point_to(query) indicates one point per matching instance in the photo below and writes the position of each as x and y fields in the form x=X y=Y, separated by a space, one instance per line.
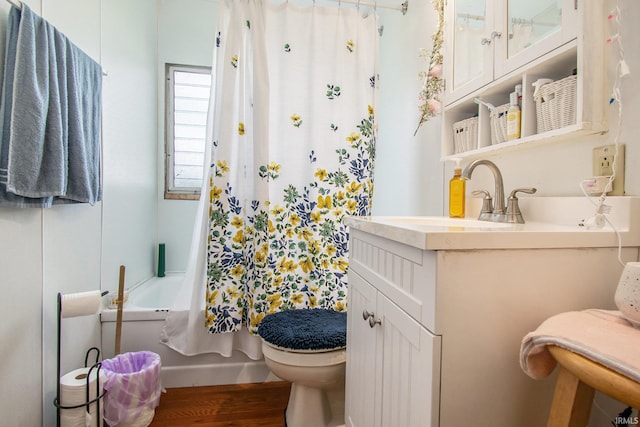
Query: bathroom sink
x=438 y=221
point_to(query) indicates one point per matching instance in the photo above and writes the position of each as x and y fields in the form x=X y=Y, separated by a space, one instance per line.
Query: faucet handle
x=487 y=204
x=522 y=190
x=513 y=209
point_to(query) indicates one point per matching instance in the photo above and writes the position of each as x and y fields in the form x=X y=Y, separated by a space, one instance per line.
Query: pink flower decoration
x=433 y=106
x=435 y=71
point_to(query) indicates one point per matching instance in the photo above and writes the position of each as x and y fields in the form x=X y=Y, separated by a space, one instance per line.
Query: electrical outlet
x=604 y=161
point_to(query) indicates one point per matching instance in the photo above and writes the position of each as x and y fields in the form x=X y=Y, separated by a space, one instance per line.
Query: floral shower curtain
x=293 y=145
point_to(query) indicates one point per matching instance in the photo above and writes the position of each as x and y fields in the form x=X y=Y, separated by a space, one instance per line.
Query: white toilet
x=307 y=348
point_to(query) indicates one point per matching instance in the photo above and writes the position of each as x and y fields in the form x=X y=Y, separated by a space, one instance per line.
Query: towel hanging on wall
x=50 y=112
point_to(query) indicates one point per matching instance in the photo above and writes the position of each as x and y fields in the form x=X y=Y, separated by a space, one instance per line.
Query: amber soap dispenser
x=457 y=189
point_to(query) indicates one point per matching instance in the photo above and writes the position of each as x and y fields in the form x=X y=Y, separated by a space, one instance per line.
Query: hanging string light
x=621 y=70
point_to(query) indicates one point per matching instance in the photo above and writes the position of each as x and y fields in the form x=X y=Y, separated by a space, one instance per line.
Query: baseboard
x=216 y=374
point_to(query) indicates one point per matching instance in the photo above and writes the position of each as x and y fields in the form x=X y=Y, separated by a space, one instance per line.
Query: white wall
x=185 y=36
x=74 y=248
x=46 y=251
x=129 y=55
x=21 y=328
x=408 y=172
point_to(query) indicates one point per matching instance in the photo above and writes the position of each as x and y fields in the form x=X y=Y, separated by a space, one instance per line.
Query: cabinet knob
x=494 y=35
x=373 y=322
x=367 y=315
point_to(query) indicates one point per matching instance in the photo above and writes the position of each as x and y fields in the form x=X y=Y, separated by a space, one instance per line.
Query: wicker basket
x=465 y=135
x=556 y=104
x=498 y=119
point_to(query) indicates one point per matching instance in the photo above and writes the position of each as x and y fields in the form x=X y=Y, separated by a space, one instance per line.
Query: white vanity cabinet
x=493 y=45
x=393 y=370
x=436 y=316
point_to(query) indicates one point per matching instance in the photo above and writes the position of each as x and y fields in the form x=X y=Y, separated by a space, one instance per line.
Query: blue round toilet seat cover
x=314 y=329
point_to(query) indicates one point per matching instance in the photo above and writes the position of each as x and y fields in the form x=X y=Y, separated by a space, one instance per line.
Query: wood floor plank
x=239 y=405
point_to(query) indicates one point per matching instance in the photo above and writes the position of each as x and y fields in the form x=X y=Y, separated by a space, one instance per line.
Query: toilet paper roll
x=81 y=303
x=73 y=391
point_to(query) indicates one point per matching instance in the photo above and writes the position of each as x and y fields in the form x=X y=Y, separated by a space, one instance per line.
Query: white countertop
x=438 y=233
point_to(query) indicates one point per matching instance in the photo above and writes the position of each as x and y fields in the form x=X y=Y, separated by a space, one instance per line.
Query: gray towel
x=50 y=117
x=7 y=198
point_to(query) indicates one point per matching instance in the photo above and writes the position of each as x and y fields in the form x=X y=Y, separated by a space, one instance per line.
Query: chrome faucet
x=498 y=214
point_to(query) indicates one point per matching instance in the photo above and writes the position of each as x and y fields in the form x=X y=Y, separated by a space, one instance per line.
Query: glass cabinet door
x=470 y=30
x=469 y=27
x=533 y=29
x=528 y=22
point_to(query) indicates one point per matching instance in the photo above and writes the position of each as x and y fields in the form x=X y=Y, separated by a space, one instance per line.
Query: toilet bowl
x=312 y=356
x=317 y=385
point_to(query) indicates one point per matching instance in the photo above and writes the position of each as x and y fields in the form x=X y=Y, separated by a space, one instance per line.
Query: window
x=187 y=101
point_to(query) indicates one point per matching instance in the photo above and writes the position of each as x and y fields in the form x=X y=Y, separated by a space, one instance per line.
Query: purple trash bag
x=132 y=388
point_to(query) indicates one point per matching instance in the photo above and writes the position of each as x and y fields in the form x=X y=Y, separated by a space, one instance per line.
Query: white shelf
x=556 y=135
x=584 y=53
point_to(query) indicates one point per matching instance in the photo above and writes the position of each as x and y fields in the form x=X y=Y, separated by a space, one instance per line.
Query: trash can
x=132 y=388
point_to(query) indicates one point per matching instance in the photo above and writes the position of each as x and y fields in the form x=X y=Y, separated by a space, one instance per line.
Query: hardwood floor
x=240 y=405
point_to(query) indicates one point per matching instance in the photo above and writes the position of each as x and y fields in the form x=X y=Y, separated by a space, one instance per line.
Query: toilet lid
x=314 y=329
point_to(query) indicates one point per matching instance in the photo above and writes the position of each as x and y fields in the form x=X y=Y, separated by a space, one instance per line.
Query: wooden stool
x=578 y=378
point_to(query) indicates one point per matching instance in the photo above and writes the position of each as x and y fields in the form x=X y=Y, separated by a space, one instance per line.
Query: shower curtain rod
x=402 y=7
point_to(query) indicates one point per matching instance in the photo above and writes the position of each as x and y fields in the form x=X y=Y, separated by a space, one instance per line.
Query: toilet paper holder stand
x=96 y=366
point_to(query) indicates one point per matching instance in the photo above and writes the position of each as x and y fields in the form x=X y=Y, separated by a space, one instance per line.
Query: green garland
x=433 y=82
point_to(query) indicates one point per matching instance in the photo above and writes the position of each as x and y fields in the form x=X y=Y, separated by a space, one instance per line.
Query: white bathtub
x=143 y=318
x=148 y=300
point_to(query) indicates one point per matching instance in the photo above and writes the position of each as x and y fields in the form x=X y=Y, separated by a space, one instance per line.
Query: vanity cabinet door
x=362 y=384
x=410 y=369
x=393 y=363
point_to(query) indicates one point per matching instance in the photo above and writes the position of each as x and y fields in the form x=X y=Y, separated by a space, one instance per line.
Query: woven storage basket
x=498 y=119
x=556 y=104
x=465 y=135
